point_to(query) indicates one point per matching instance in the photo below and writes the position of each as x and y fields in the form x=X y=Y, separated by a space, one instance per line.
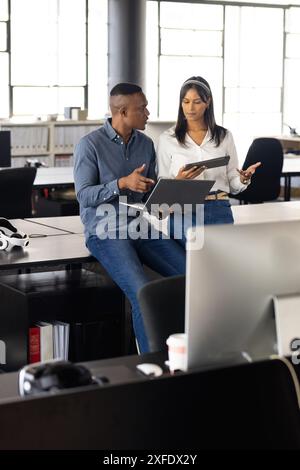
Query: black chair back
x=162 y=304
x=15 y=192
x=5 y=149
x=265 y=184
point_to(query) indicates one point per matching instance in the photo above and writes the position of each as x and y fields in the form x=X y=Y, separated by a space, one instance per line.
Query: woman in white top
x=196 y=137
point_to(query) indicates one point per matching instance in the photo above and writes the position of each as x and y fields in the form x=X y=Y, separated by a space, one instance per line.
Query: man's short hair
x=125 y=89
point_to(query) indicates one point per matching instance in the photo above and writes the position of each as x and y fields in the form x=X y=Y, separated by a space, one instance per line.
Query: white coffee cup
x=177 y=347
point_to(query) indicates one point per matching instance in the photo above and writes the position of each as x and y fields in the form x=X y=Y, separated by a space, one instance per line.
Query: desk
x=71 y=223
x=47 y=251
x=243 y=214
x=63 y=177
x=289 y=143
x=54 y=177
x=117 y=370
x=267 y=212
x=248 y=406
x=34 y=230
x=291 y=167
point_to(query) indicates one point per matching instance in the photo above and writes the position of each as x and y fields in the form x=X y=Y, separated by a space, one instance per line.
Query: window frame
x=11 y=87
x=284 y=7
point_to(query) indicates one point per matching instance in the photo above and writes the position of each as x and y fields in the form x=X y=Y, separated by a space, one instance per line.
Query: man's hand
x=245 y=175
x=136 y=181
x=189 y=174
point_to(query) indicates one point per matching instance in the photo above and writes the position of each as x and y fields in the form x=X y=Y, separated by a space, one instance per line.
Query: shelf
x=29 y=154
x=47 y=140
x=50 y=140
x=71 y=122
x=67 y=122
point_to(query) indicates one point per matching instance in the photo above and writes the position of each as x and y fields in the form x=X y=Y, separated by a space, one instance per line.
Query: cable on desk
x=37 y=235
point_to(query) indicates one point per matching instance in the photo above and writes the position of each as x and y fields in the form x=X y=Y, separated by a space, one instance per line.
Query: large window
x=253 y=64
x=97 y=63
x=292 y=69
x=58 y=53
x=4 y=60
x=51 y=58
x=249 y=54
x=190 y=43
x=48 y=55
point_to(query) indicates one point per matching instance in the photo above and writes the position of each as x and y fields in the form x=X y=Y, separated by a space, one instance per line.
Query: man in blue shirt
x=118 y=160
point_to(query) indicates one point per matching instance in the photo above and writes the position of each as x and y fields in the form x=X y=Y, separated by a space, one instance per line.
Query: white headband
x=200 y=84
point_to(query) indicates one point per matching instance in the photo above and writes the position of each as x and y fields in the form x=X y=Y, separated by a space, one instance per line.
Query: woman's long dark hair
x=217 y=132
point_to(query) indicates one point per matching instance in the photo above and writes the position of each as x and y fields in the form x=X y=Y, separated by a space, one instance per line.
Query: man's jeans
x=215 y=213
x=124 y=259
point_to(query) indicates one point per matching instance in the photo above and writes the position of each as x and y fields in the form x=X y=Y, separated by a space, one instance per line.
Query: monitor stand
x=226 y=360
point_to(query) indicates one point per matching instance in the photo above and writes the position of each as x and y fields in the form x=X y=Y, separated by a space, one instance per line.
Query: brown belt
x=217 y=196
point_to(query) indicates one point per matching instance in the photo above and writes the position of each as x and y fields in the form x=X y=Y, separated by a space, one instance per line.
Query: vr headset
x=10 y=236
x=54 y=375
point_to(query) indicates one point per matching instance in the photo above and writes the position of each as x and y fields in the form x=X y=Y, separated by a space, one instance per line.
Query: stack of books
x=49 y=340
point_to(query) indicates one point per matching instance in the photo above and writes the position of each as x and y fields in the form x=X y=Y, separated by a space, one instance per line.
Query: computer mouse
x=151 y=370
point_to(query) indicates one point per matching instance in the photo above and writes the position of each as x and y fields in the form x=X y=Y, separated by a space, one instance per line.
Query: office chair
x=162 y=304
x=15 y=192
x=265 y=184
x=5 y=149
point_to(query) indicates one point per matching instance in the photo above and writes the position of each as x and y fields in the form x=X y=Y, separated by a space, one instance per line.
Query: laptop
x=171 y=191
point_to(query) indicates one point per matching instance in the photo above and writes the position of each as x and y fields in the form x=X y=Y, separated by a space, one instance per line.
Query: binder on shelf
x=61 y=331
x=46 y=340
x=79 y=114
x=34 y=345
x=68 y=111
x=45 y=140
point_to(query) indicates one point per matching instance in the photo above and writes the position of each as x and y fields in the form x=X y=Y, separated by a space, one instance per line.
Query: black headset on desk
x=55 y=375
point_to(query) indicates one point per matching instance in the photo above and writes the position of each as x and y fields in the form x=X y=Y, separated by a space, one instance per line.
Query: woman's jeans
x=215 y=212
x=123 y=259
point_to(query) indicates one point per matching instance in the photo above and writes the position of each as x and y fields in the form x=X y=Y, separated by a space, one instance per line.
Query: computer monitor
x=230 y=283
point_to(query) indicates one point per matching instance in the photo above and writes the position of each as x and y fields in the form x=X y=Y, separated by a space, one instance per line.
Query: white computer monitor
x=230 y=283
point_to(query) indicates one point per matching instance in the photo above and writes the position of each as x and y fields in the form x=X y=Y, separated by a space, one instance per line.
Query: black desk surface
x=118 y=370
x=247 y=406
x=47 y=251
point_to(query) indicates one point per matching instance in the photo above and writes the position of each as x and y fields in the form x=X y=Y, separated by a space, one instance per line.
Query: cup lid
x=177 y=339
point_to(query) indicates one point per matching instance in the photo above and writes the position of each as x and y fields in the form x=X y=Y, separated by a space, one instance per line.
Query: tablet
x=211 y=163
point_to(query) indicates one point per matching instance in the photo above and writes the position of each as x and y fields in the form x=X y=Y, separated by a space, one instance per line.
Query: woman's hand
x=191 y=173
x=245 y=175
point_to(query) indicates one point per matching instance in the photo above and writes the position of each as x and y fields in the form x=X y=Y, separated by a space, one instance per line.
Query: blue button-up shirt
x=101 y=158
